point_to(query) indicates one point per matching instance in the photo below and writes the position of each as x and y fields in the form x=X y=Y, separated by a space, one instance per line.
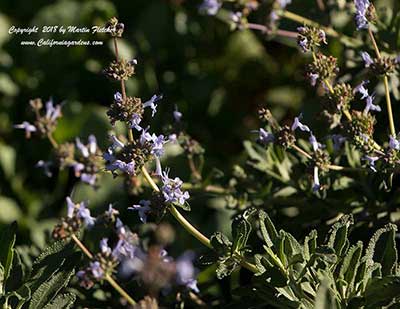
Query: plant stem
x=120 y=290
x=190 y=228
x=386 y=83
x=82 y=246
x=302 y=151
x=52 y=140
x=346 y=40
x=280 y=32
x=108 y=278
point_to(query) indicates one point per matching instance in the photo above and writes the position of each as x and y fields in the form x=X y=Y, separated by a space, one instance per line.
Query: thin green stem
x=120 y=290
x=107 y=277
x=190 y=228
x=386 y=83
x=52 y=140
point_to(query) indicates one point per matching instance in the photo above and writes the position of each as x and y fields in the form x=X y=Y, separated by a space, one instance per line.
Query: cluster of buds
x=125 y=109
x=128 y=157
x=360 y=130
x=322 y=69
x=116 y=29
x=46 y=122
x=380 y=66
x=85 y=160
x=339 y=100
x=309 y=38
x=120 y=69
x=78 y=215
x=105 y=262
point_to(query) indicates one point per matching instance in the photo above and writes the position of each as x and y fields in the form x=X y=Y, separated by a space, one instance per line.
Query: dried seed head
x=120 y=69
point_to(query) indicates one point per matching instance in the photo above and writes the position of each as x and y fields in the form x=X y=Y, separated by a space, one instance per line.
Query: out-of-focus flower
x=210 y=7
x=371 y=160
x=143 y=208
x=368 y=61
x=177 y=114
x=394 y=143
x=29 y=128
x=185 y=271
x=46 y=167
x=361 y=13
x=316 y=185
x=265 y=137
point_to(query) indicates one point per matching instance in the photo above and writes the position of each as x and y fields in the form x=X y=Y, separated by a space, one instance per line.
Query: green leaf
x=9 y=210
x=381 y=291
x=7 y=156
x=48 y=290
x=225 y=267
x=325 y=298
x=310 y=244
x=62 y=301
x=383 y=249
x=7 y=241
x=350 y=264
x=50 y=261
x=338 y=234
x=18 y=273
x=220 y=243
x=241 y=229
x=268 y=231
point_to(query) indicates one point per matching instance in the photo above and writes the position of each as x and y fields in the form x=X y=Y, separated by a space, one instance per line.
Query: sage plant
x=289 y=165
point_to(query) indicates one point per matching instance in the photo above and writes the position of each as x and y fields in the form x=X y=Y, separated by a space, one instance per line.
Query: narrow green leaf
x=7 y=241
x=62 y=301
x=48 y=290
x=268 y=231
x=382 y=291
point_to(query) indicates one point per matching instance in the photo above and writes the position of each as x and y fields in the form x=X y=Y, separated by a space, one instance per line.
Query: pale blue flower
x=177 y=114
x=265 y=137
x=104 y=248
x=152 y=103
x=371 y=160
x=297 y=124
x=368 y=61
x=143 y=209
x=96 y=270
x=370 y=106
x=362 y=90
x=29 y=128
x=118 y=97
x=172 y=191
x=313 y=78
x=313 y=141
x=185 y=271
x=135 y=121
x=394 y=143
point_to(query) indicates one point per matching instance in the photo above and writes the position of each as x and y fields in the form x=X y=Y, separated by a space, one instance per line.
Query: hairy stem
x=386 y=83
x=107 y=277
